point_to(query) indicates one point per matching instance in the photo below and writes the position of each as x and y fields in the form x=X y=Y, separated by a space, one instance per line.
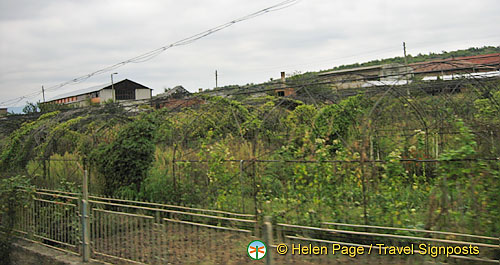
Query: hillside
x=423 y=57
x=410 y=58
x=429 y=161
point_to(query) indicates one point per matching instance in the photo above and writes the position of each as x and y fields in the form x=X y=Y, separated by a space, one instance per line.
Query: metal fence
x=134 y=232
x=51 y=219
x=375 y=244
x=125 y=231
x=157 y=234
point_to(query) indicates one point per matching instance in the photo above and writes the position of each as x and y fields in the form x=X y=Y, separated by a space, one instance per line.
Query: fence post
x=45 y=169
x=436 y=139
x=268 y=238
x=241 y=187
x=85 y=219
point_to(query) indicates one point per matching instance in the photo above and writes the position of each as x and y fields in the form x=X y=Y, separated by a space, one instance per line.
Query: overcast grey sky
x=52 y=41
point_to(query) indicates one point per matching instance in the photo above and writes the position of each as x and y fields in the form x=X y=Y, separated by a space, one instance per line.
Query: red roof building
x=469 y=64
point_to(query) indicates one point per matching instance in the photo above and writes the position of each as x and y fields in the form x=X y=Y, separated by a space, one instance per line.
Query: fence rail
x=412 y=230
x=151 y=233
x=51 y=222
x=488 y=248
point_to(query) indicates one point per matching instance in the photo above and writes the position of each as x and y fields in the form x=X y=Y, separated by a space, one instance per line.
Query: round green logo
x=256 y=250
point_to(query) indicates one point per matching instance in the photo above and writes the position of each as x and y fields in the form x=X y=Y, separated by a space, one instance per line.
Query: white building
x=120 y=91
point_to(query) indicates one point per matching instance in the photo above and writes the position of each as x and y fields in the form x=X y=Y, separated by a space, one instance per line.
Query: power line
x=152 y=54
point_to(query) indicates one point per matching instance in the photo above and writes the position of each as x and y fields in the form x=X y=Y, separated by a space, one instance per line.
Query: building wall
x=394 y=72
x=285 y=92
x=358 y=78
x=346 y=81
x=82 y=100
x=105 y=95
x=142 y=94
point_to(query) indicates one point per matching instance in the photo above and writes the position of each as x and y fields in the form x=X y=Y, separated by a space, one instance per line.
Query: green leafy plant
x=15 y=193
x=125 y=161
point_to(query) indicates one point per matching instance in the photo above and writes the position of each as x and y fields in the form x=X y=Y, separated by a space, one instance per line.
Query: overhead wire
x=152 y=54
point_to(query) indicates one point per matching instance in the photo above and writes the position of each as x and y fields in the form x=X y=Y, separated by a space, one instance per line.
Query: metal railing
x=134 y=231
x=51 y=221
x=152 y=233
x=419 y=242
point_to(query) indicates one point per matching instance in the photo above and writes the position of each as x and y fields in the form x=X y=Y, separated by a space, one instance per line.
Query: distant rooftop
x=80 y=92
x=487 y=62
x=178 y=89
x=483 y=61
x=90 y=90
x=363 y=68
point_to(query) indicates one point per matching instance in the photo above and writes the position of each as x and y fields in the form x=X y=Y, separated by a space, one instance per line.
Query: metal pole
x=44 y=169
x=241 y=187
x=173 y=167
x=268 y=237
x=436 y=140
x=85 y=219
x=112 y=88
x=43 y=93
x=406 y=70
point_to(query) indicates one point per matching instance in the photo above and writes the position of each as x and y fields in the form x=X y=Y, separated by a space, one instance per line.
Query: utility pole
x=406 y=70
x=113 y=93
x=216 y=85
x=404 y=51
x=43 y=93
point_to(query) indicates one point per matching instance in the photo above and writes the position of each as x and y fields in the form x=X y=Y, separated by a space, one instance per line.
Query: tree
x=30 y=108
x=125 y=161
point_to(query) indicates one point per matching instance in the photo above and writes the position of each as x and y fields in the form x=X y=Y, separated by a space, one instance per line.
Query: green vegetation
x=125 y=161
x=11 y=200
x=387 y=159
x=31 y=108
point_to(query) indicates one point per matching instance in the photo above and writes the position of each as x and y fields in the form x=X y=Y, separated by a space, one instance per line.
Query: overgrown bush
x=15 y=192
x=125 y=161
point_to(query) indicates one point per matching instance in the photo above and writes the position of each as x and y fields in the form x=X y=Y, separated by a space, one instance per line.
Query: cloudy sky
x=53 y=41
